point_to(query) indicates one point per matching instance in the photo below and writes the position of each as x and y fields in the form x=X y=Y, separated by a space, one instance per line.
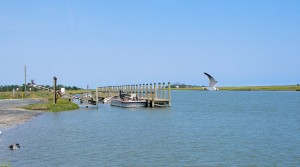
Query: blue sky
x=117 y=42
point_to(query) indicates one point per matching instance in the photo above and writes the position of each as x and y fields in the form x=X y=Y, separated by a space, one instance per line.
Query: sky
x=122 y=42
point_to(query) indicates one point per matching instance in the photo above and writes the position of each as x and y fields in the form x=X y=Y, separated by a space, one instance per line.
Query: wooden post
x=133 y=89
x=129 y=89
x=25 y=83
x=143 y=91
x=159 y=92
x=169 y=93
x=147 y=95
x=153 y=95
x=164 y=91
x=97 y=97
x=87 y=97
x=140 y=88
x=54 y=89
x=150 y=89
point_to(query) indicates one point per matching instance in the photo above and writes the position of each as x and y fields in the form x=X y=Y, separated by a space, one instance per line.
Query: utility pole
x=54 y=89
x=25 y=83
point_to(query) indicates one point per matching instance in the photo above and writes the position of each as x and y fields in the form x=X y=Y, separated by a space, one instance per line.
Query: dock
x=156 y=95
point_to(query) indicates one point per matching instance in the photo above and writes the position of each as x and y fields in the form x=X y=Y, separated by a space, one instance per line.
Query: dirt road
x=10 y=115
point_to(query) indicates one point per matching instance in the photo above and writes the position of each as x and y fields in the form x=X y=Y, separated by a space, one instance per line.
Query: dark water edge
x=200 y=129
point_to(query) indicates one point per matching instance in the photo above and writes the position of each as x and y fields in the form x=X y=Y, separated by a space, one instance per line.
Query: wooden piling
x=164 y=91
x=147 y=93
x=54 y=89
x=143 y=94
x=169 y=93
x=153 y=95
x=159 y=90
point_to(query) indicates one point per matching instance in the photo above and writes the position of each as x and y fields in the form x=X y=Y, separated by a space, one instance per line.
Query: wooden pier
x=156 y=95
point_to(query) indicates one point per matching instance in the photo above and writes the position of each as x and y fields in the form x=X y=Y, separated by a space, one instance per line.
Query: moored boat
x=128 y=101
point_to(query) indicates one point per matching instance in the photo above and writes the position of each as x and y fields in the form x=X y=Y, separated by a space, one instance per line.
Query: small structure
x=63 y=91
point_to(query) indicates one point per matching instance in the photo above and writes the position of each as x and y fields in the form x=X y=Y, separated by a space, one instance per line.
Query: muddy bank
x=11 y=116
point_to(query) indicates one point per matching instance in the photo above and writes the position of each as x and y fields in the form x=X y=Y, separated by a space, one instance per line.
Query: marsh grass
x=250 y=88
x=61 y=105
x=5 y=95
x=5 y=164
x=263 y=88
x=29 y=94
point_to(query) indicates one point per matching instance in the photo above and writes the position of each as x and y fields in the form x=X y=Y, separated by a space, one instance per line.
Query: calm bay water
x=200 y=129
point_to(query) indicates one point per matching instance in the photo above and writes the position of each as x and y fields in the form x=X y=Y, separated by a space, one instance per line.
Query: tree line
x=181 y=85
x=8 y=88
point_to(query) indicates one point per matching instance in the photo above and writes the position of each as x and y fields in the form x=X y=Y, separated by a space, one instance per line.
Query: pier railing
x=156 y=95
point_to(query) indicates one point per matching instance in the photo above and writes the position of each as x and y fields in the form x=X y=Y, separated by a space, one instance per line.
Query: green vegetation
x=249 y=88
x=5 y=164
x=9 y=88
x=5 y=95
x=263 y=88
x=61 y=105
x=182 y=85
x=78 y=91
x=29 y=94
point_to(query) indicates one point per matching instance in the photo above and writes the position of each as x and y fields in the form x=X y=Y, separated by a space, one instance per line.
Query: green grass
x=5 y=95
x=61 y=105
x=250 y=88
x=263 y=88
x=20 y=95
x=76 y=91
x=6 y=164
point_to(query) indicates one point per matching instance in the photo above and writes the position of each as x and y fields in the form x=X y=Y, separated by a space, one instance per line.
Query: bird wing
x=212 y=81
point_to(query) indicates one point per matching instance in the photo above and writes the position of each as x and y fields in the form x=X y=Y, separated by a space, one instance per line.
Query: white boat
x=128 y=101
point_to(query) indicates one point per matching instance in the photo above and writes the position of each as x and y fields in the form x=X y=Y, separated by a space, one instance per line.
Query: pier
x=156 y=95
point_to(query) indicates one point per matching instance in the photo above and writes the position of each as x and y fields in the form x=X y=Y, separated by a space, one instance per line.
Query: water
x=200 y=129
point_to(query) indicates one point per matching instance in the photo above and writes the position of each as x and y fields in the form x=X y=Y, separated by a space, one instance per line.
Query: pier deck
x=156 y=95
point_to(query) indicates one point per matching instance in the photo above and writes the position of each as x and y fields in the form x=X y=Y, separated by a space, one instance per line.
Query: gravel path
x=10 y=115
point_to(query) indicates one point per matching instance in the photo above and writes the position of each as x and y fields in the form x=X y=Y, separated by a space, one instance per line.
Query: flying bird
x=212 y=82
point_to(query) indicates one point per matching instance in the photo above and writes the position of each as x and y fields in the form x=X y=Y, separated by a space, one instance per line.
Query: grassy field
x=20 y=95
x=76 y=91
x=61 y=105
x=250 y=88
x=262 y=88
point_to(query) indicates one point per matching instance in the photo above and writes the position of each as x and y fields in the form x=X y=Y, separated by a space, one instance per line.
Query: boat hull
x=128 y=104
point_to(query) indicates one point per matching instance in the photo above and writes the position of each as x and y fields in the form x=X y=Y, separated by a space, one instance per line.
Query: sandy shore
x=11 y=116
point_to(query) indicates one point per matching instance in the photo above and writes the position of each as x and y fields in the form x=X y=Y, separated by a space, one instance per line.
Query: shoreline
x=11 y=116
